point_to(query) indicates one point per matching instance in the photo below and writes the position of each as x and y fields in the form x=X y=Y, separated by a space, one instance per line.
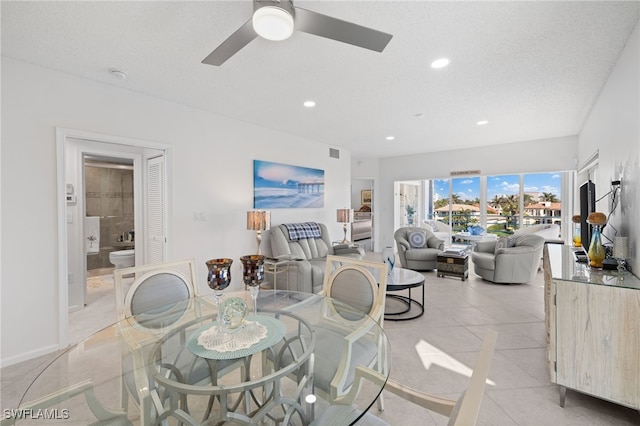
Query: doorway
x=80 y=238
x=362 y=202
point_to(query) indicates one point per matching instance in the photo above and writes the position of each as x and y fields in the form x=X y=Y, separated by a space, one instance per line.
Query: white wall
x=613 y=129
x=545 y=155
x=357 y=186
x=212 y=172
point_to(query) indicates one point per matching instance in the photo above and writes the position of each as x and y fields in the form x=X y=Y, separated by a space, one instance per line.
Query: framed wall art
x=365 y=197
x=282 y=186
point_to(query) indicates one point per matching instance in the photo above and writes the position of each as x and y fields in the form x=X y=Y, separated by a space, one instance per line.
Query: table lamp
x=258 y=220
x=345 y=216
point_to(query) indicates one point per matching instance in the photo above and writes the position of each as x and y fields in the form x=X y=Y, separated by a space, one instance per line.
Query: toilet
x=122 y=258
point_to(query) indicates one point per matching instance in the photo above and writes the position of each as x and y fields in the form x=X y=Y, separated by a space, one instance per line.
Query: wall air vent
x=465 y=173
x=334 y=153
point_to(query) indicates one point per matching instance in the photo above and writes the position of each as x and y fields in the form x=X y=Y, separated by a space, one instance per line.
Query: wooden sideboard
x=593 y=328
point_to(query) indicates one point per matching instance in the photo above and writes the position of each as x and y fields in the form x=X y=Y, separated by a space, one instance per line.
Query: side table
x=274 y=267
x=454 y=265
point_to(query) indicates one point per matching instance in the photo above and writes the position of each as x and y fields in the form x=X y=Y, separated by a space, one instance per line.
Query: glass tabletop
x=565 y=267
x=147 y=368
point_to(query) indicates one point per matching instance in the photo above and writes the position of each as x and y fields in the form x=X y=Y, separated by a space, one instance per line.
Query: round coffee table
x=404 y=279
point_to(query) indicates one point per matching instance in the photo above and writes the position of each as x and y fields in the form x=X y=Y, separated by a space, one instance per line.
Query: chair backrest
x=404 y=232
x=467 y=407
x=531 y=240
x=358 y=283
x=461 y=412
x=155 y=286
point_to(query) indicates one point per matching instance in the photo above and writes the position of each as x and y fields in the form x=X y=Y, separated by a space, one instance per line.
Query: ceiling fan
x=277 y=19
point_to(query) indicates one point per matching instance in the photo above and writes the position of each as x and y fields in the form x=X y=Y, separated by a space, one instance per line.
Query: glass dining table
x=162 y=367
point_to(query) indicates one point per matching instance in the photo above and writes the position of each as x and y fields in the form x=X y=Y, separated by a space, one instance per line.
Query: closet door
x=156 y=213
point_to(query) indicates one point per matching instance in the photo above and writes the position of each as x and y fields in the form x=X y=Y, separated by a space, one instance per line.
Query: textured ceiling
x=532 y=69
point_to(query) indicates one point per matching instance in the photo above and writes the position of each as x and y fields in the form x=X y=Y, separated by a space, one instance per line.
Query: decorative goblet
x=219 y=278
x=253 y=274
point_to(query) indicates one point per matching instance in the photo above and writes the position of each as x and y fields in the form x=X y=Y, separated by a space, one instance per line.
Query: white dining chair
x=461 y=412
x=154 y=304
x=154 y=286
x=361 y=284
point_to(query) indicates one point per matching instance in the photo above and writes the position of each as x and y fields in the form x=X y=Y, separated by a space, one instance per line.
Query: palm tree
x=510 y=205
x=496 y=202
x=528 y=199
x=441 y=203
x=549 y=196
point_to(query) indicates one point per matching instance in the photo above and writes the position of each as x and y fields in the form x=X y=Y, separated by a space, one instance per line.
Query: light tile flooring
x=435 y=352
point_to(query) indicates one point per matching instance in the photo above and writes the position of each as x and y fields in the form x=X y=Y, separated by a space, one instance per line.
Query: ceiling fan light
x=273 y=23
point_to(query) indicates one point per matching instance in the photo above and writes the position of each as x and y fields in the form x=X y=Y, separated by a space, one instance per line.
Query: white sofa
x=439 y=229
x=550 y=232
x=307 y=255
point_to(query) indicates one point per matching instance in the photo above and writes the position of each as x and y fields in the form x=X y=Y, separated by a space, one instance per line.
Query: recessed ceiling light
x=390 y=138
x=440 y=63
x=309 y=104
x=482 y=122
x=118 y=74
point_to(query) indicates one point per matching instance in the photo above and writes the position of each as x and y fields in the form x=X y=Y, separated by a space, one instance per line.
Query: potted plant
x=411 y=211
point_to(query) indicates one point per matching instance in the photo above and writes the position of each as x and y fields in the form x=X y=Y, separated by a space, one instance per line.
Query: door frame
x=62 y=140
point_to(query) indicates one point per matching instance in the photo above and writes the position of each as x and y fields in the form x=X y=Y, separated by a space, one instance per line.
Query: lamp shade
x=273 y=22
x=344 y=215
x=258 y=220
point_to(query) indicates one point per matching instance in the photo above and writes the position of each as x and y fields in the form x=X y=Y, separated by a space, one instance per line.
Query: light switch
x=200 y=216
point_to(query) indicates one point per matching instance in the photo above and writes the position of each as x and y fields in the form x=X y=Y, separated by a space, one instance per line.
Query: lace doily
x=257 y=333
x=251 y=332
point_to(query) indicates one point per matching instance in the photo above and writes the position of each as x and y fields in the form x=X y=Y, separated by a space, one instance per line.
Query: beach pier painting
x=283 y=186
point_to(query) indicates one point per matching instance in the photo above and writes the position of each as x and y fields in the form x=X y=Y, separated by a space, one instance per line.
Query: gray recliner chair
x=415 y=254
x=512 y=260
x=307 y=254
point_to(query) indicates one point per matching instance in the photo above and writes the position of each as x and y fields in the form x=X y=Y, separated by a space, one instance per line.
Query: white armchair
x=515 y=262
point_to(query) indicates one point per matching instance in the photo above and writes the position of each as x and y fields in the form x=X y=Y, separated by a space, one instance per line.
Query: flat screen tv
x=587 y=206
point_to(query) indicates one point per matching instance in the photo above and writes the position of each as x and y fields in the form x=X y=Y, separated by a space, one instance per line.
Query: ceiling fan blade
x=232 y=45
x=336 y=29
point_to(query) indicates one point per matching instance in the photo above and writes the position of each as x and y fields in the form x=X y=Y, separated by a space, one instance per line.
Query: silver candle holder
x=621 y=252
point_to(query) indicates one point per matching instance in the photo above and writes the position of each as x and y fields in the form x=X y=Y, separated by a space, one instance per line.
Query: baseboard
x=26 y=356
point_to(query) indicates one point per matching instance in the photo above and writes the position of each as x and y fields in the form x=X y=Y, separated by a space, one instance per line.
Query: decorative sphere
x=233 y=312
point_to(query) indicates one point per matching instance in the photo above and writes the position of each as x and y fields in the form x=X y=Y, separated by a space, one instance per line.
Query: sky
x=468 y=188
x=275 y=174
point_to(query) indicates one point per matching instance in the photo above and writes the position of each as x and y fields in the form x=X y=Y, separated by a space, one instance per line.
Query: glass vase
x=577 y=235
x=596 y=249
x=389 y=257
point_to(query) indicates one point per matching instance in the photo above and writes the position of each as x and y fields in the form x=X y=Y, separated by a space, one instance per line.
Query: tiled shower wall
x=109 y=194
